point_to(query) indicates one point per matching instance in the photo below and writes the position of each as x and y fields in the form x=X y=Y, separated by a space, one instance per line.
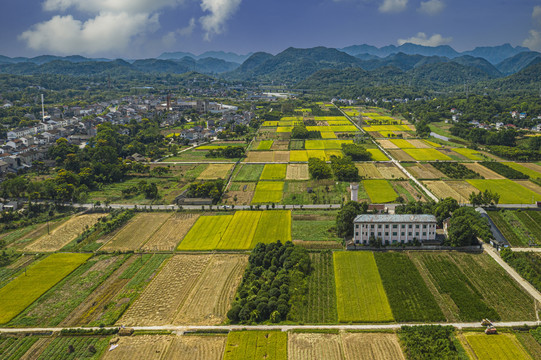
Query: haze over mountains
x=434 y=67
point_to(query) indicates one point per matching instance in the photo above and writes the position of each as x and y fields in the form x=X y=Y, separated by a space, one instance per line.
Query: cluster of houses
x=455 y=116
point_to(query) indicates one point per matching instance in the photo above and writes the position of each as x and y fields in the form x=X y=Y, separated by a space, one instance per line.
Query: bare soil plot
x=371 y=346
x=134 y=234
x=196 y=348
x=281 y=156
x=419 y=144
x=159 y=303
x=215 y=171
x=401 y=155
x=532 y=166
x=390 y=171
x=297 y=172
x=211 y=297
x=425 y=171
x=529 y=185
x=239 y=193
x=259 y=156
x=388 y=144
x=143 y=347
x=483 y=171
x=280 y=145
x=442 y=190
x=369 y=171
x=315 y=346
x=412 y=190
x=171 y=233
x=463 y=188
x=64 y=234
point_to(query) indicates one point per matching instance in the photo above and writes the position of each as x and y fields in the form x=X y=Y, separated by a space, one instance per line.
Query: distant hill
x=226 y=56
x=496 y=54
x=518 y=62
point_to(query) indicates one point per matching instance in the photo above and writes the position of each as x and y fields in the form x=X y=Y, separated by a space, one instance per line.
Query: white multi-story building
x=394 y=229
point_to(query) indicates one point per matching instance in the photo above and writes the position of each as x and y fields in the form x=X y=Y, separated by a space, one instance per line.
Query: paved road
x=528 y=249
x=185 y=328
x=526 y=285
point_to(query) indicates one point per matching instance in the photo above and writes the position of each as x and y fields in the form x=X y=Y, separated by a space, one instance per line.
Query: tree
x=356 y=152
x=346 y=215
x=319 y=169
x=466 y=226
x=344 y=169
x=422 y=129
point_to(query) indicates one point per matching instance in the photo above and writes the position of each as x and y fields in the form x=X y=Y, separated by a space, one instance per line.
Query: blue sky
x=146 y=28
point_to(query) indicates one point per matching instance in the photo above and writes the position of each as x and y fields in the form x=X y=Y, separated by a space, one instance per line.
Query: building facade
x=394 y=229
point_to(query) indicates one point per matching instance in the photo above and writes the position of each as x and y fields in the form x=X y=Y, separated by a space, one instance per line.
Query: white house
x=393 y=229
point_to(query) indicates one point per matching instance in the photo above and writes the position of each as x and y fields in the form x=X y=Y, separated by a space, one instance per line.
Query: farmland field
x=507 y=224
x=214 y=291
x=408 y=295
x=142 y=224
x=196 y=348
x=425 y=171
x=496 y=347
x=297 y=172
x=64 y=234
x=325 y=144
x=400 y=155
x=388 y=144
x=159 y=303
x=56 y=304
x=298 y=155
x=171 y=232
x=314 y=346
x=360 y=295
x=390 y=171
x=265 y=145
x=38 y=278
x=379 y=191
x=57 y=349
x=426 y=154
x=510 y=192
x=256 y=345
x=240 y=231
x=403 y=144
x=142 y=347
x=215 y=171
x=371 y=346
x=320 y=305
x=470 y=154
x=274 y=172
x=368 y=171
x=259 y=156
x=314 y=228
x=13 y=348
x=483 y=171
x=206 y=233
x=442 y=190
x=528 y=170
x=272 y=226
x=377 y=155
x=268 y=192
x=249 y=172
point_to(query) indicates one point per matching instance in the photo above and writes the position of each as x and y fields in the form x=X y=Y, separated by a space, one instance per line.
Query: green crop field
x=510 y=192
x=360 y=296
x=320 y=301
x=298 y=155
x=13 y=348
x=206 y=233
x=523 y=169
x=408 y=295
x=256 y=345
x=249 y=172
x=502 y=222
x=469 y=153
x=474 y=287
x=240 y=231
x=379 y=128
x=268 y=192
x=379 y=191
x=274 y=172
x=265 y=145
x=39 y=277
x=314 y=230
x=328 y=135
x=273 y=225
x=58 y=348
x=426 y=154
x=496 y=347
x=325 y=144
x=377 y=155
x=403 y=144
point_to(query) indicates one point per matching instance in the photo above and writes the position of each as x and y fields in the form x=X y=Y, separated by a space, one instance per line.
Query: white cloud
x=536 y=14
x=220 y=11
x=188 y=30
x=106 y=32
x=170 y=38
x=116 y=6
x=422 y=39
x=431 y=7
x=393 y=6
x=533 y=42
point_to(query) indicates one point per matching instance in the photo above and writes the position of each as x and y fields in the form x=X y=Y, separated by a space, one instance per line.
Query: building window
x=417 y=226
x=403 y=226
x=410 y=226
x=424 y=226
x=409 y=234
x=356 y=226
x=395 y=226
x=371 y=226
x=417 y=234
x=395 y=233
x=379 y=233
x=372 y=233
x=424 y=233
x=379 y=226
x=386 y=234
x=401 y=234
x=386 y=226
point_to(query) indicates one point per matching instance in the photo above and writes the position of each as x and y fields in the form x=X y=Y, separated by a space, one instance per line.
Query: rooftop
x=386 y=218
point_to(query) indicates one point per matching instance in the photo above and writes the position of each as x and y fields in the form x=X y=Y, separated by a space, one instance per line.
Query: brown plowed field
x=369 y=171
x=425 y=171
x=64 y=234
x=411 y=189
x=464 y=189
x=259 y=156
x=390 y=171
x=400 y=155
x=134 y=234
x=483 y=171
x=441 y=190
x=419 y=144
x=371 y=346
x=388 y=144
x=281 y=156
x=280 y=145
x=314 y=346
x=529 y=185
x=211 y=297
x=143 y=347
x=196 y=348
x=159 y=303
x=297 y=172
x=171 y=233
x=215 y=171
